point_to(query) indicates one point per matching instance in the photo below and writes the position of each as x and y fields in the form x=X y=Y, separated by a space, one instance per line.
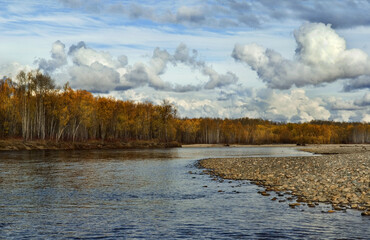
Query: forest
x=33 y=108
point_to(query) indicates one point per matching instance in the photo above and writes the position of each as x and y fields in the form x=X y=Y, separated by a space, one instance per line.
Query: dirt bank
x=15 y=145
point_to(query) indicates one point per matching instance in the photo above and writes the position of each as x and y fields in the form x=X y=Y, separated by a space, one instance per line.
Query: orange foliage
x=33 y=108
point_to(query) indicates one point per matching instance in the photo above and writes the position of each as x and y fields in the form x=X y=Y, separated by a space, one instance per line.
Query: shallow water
x=150 y=194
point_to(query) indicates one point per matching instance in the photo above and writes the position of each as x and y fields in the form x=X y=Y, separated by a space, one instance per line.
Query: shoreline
x=339 y=175
x=220 y=145
x=34 y=145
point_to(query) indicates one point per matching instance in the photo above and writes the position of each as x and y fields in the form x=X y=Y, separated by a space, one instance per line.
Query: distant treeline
x=31 y=107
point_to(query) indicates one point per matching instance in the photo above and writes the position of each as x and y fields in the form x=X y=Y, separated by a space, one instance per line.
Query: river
x=151 y=194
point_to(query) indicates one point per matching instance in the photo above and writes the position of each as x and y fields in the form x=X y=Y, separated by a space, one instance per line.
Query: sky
x=285 y=61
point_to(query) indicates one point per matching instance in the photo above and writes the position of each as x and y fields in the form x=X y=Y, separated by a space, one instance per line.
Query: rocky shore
x=340 y=175
x=18 y=145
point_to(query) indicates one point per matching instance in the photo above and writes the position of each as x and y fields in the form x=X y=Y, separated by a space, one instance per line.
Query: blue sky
x=278 y=60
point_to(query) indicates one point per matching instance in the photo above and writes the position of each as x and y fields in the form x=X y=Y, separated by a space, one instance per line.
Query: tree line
x=32 y=107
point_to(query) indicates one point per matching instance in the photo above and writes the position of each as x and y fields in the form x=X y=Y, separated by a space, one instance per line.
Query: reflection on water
x=149 y=194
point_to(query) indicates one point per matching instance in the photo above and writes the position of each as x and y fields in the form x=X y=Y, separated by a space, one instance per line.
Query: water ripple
x=150 y=194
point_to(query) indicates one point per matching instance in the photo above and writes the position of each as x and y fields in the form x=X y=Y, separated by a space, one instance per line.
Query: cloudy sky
x=284 y=60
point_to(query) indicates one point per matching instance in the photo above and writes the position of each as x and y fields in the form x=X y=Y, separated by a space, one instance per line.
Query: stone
x=338 y=208
x=293 y=205
x=366 y=213
x=265 y=194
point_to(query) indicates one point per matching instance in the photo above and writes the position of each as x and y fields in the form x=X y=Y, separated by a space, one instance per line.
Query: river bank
x=18 y=145
x=339 y=176
x=220 y=145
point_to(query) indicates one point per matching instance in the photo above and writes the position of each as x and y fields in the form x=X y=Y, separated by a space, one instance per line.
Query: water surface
x=151 y=194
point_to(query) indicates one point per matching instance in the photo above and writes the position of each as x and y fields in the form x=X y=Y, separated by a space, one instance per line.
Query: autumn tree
x=32 y=107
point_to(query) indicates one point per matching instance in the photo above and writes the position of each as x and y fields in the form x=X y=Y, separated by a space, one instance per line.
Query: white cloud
x=292 y=107
x=99 y=71
x=364 y=101
x=361 y=82
x=218 y=80
x=82 y=55
x=95 y=78
x=58 y=58
x=356 y=110
x=321 y=57
x=366 y=118
x=11 y=70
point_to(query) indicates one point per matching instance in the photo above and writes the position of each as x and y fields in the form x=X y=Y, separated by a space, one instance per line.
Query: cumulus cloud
x=364 y=101
x=337 y=104
x=95 y=77
x=237 y=102
x=11 y=70
x=362 y=82
x=218 y=80
x=93 y=70
x=58 y=58
x=321 y=57
x=84 y=56
x=99 y=71
x=189 y=57
x=295 y=106
x=151 y=73
x=357 y=110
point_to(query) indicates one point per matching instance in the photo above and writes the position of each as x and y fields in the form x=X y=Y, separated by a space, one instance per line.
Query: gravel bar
x=341 y=176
